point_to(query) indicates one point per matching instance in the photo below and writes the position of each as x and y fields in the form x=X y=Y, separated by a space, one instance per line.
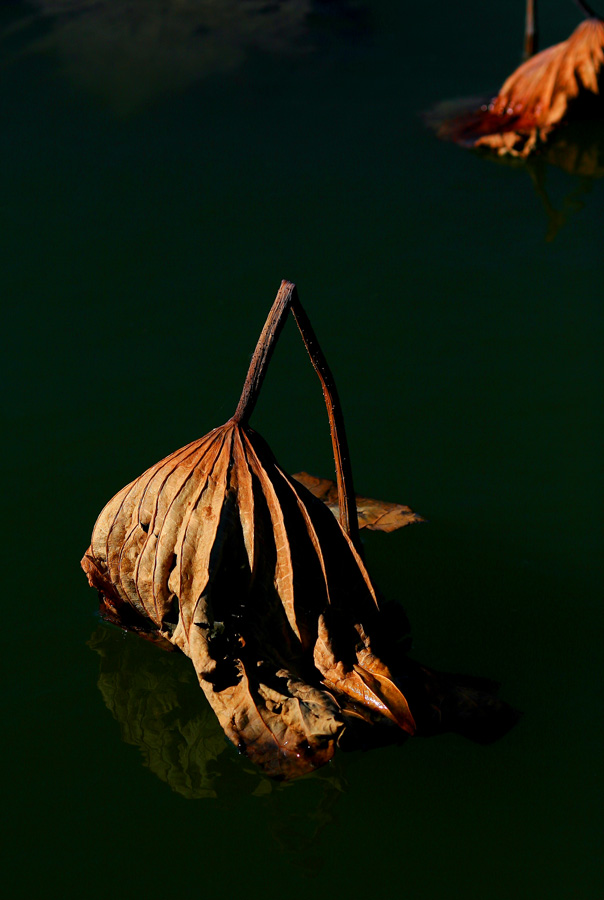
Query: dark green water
x=159 y=177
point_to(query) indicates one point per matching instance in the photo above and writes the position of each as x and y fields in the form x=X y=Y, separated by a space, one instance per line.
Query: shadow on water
x=130 y=52
x=575 y=148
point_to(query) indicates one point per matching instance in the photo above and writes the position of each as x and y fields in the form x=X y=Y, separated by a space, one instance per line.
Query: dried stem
x=586 y=8
x=287 y=298
x=530 y=29
x=263 y=352
x=530 y=24
x=346 y=495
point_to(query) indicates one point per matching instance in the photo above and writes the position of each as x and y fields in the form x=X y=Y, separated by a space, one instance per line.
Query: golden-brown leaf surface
x=365 y=680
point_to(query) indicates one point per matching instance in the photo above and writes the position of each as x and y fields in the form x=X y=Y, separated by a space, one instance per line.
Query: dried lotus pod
x=238 y=565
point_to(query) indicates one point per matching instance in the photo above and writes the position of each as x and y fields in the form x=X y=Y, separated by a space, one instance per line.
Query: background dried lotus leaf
x=536 y=97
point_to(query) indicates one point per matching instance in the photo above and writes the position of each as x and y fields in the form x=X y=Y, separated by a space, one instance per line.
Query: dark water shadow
x=131 y=52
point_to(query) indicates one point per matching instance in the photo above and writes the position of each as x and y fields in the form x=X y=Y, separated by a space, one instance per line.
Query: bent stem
x=286 y=299
x=346 y=495
x=263 y=353
x=586 y=8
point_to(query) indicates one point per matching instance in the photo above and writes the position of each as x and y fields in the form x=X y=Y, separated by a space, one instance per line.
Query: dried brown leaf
x=178 y=547
x=375 y=515
x=365 y=680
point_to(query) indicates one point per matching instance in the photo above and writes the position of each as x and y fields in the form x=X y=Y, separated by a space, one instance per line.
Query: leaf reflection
x=157 y=705
x=155 y=698
x=156 y=701
x=132 y=51
x=576 y=148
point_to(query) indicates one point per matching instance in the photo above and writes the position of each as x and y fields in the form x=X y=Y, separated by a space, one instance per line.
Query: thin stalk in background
x=530 y=29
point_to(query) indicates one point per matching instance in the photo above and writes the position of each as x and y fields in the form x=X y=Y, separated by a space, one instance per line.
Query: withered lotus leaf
x=241 y=567
x=536 y=97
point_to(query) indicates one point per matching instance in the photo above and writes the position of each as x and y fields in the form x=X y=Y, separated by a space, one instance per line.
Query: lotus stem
x=263 y=353
x=586 y=8
x=346 y=495
x=530 y=29
x=286 y=299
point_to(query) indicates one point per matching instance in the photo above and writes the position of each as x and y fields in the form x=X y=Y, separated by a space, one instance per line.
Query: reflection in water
x=131 y=51
x=157 y=703
x=576 y=148
x=155 y=698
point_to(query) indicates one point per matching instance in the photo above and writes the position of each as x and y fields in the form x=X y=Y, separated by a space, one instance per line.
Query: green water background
x=143 y=241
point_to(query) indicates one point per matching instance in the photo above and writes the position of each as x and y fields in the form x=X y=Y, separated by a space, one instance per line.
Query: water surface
x=164 y=166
